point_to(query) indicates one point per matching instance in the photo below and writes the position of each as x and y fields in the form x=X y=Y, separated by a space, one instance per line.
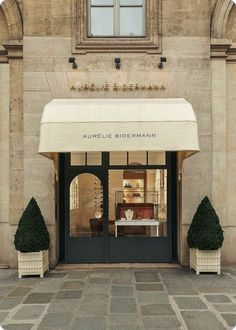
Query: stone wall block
x=204 y=123
x=34 y=102
x=199 y=81
x=38 y=64
x=4 y=238
x=185 y=47
x=229 y=245
x=31 y=144
x=58 y=84
x=47 y=47
x=35 y=81
x=53 y=250
x=32 y=124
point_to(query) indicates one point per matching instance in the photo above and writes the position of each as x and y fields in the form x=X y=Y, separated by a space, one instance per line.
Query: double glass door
x=115 y=214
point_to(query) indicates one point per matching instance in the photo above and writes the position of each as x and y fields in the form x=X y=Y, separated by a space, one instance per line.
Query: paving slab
x=123 y=305
x=56 y=320
x=218 y=298
x=72 y=285
x=69 y=294
x=147 y=277
x=153 y=298
x=157 y=310
x=70 y=305
x=3 y=315
x=29 y=312
x=48 y=285
x=77 y=276
x=97 y=288
x=175 y=288
x=19 y=292
x=98 y=280
x=15 y=326
x=190 y=303
x=122 y=291
x=123 y=327
x=56 y=275
x=150 y=287
x=4 y=290
x=225 y=307
x=89 y=323
x=38 y=298
x=230 y=319
x=126 y=320
x=92 y=309
x=93 y=298
x=106 y=275
x=161 y=322
x=201 y=320
x=9 y=303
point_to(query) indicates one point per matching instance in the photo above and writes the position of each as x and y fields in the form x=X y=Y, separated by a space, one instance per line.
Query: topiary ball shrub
x=205 y=232
x=32 y=234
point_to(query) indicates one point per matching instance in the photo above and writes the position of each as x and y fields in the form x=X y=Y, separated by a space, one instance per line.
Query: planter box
x=205 y=261
x=33 y=263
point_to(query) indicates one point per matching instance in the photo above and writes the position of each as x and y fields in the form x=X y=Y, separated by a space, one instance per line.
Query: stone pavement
x=116 y=299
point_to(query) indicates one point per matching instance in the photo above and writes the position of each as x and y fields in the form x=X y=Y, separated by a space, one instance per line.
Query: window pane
x=118 y=158
x=102 y=2
x=101 y=21
x=77 y=159
x=94 y=158
x=131 y=21
x=141 y=198
x=156 y=158
x=86 y=206
x=137 y=158
x=131 y=2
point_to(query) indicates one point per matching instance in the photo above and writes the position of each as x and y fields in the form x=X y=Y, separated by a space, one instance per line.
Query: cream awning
x=79 y=125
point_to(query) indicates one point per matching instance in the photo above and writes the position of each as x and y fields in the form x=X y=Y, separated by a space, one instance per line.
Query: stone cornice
x=3 y=56
x=220 y=47
x=14 y=48
x=232 y=53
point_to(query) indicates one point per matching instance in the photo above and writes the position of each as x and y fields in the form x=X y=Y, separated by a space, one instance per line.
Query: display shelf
x=133 y=190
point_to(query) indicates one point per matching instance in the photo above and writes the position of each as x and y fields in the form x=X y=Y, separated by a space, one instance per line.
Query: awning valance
x=86 y=125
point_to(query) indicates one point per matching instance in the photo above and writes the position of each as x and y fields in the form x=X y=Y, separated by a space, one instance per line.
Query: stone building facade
x=198 y=38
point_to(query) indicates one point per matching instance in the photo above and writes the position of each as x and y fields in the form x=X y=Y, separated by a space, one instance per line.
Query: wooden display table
x=143 y=222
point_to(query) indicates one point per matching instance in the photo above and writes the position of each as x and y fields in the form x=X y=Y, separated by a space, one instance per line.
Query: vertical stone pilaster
x=219 y=116
x=16 y=176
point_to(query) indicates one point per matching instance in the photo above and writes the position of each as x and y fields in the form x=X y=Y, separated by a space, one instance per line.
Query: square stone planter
x=33 y=263
x=205 y=261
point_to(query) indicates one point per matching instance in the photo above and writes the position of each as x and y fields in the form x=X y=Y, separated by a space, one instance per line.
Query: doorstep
x=116 y=266
x=4 y=266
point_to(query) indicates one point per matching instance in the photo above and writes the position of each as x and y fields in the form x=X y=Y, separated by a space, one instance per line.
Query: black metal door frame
x=106 y=243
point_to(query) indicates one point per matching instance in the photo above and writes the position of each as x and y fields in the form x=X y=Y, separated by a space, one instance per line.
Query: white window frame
x=116 y=19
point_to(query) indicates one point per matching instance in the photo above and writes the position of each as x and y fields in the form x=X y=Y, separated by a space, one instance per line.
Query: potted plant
x=32 y=242
x=205 y=238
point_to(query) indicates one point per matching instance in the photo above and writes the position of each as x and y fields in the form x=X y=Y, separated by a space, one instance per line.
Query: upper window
x=102 y=26
x=116 y=18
